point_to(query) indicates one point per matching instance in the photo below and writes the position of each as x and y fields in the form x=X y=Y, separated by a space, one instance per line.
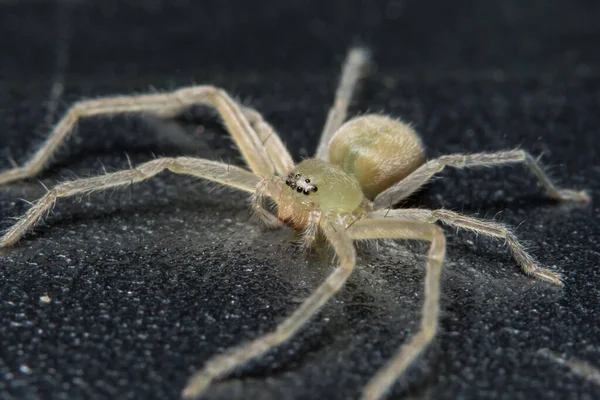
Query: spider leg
x=223 y=364
x=222 y=173
x=526 y=261
x=280 y=156
x=256 y=148
x=395 y=229
x=579 y=367
x=354 y=68
x=411 y=183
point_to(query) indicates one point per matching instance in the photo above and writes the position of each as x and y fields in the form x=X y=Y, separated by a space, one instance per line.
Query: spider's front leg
x=218 y=172
x=223 y=364
x=421 y=175
x=259 y=144
x=393 y=229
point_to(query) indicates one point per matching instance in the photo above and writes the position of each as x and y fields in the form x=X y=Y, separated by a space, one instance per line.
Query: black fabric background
x=147 y=283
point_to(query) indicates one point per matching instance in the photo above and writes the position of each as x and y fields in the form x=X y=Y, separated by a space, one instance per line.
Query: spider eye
x=297 y=176
x=292 y=185
x=299 y=189
x=306 y=192
x=314 y=189
x=307 y=180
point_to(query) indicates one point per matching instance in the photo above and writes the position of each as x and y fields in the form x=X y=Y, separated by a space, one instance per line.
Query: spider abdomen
x=379 y=151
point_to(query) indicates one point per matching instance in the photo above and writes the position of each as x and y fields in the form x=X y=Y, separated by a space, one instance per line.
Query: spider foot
x=578 y=196
x=197 y=385
x=12 y=175
x=547 y=275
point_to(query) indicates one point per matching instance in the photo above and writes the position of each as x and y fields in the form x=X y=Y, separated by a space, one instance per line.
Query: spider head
x=318 y=183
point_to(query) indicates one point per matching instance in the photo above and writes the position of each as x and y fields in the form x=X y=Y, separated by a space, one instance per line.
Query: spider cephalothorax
x=361 y=169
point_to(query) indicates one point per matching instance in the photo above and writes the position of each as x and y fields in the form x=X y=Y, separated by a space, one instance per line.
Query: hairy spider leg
x=526 y=261
x=225 y=363
x=353 y=70
x=263 y=151
x=419 y=177
x=367 y=229
x=215 y=171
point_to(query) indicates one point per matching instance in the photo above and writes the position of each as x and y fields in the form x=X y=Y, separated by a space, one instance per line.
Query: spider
x=362 y=168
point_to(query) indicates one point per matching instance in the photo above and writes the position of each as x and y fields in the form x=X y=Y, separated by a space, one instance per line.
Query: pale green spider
x=362 y=167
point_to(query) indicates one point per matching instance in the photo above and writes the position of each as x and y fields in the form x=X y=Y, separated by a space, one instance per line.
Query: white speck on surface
x=25 y=369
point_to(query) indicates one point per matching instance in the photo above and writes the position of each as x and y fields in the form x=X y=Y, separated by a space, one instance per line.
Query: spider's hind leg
x=353 y=70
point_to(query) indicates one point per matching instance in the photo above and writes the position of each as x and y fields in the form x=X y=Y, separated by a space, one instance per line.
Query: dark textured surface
x=146 y=284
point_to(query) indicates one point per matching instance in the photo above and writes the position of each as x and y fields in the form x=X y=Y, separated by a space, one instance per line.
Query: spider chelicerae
x=362 y=168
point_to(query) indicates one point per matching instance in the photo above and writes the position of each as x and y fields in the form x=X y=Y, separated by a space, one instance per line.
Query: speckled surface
x=147 y=283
